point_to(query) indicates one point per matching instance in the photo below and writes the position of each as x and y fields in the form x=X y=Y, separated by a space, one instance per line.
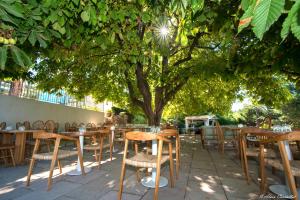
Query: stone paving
x=204 y=174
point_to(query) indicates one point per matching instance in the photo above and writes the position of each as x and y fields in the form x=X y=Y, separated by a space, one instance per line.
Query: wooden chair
x=56 y=127
x=27 y=125
x=54 y=156
x=291 y=168
x=2 y=125
x=38 y=125
x=19 y=124
x=67 y=127
x=172 y=133
x=95 y=146
x=253 y=135
x=221 y=139
x=4 y=149
x=144 y=160
x=49 y=126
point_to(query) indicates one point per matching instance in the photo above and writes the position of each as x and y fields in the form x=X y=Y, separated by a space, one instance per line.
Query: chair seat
x=295 y=165
x=49 y=155
x=94 y=146
x=145 y=160
x=254 y=152
x=6 y=146
x=166 y=150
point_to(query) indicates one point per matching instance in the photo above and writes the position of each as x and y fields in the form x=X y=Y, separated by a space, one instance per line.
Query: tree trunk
x=16 y=88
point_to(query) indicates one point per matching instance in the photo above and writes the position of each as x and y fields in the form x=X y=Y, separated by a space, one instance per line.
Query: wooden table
x=20 y=142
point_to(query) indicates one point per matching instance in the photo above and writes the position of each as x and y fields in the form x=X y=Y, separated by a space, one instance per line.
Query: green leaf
x=85 y=16
x=246 y=3
x=289 y=19
x=112 y=38
x=20 y=57
x=42 y=42
x=16 y=55
x=197 y=5
x=32 y=38
x=245 y=20
x=11 y=9
x=295 y=26
x=3 y=56
x=265 y=14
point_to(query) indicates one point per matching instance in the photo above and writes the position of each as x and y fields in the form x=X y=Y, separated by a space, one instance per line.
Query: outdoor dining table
x=20 y=142
x=81 y=135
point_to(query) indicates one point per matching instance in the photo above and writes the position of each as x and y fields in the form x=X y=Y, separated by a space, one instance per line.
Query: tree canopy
x=145 y=51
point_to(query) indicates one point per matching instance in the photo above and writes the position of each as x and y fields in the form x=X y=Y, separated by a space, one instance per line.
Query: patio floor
x=204 y=174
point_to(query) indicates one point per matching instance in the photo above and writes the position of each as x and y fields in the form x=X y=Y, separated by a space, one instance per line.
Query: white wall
x=14 y=109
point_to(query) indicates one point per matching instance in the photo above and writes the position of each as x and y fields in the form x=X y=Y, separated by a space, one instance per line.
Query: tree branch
x=192 y=47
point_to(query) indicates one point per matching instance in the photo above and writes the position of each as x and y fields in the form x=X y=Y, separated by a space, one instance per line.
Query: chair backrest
x=93 y=125
x=50 y=126
x=219 y=131
x=56 y=127
x=89 y=125
x=67 y=126
x=38 y=125
x=74 y=124
x=81 y=124
x=141 y=136
x=18 y=124
x=3 y=125
x=27 y=125
x=169 y=133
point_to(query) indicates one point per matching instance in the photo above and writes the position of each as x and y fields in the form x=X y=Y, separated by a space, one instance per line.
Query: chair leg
x=100 y=153
x=12 y=157
x=53 y=161
x=95 y=155
x=262 y=169
x=59 y=166
x=35 y=149
x=157 y=182
x=111 y=145
x=121 y=180
x=171 y=165
x=30 y=171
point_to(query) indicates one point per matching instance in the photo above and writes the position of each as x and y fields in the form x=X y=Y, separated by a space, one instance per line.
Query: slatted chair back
x=38 y=125
x=50 y=126
x=67 y=126
x=3 y=125
x=93 y=125
x=219 y=132
x=18 y=125
x=74 y=124
x=27 y=125
x=56 y=127
x=141 y=136
x=89 y=125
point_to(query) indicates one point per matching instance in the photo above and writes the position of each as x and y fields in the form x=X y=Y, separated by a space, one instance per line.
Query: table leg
x=77 y=171
x=20 y=144
x=149 y=181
